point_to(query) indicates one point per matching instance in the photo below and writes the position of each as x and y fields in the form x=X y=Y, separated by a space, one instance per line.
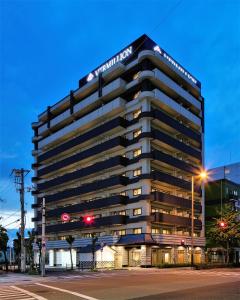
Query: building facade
x=230 y=172
x=218 y=194
x=122 y=149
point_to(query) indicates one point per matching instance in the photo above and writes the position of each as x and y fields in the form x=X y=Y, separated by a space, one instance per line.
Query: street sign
x=65 y=217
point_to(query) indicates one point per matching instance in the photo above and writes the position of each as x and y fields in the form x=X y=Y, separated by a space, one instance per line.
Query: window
x=137 y=211
x=137 y=230
x=136 y=95
x=155 y=230
x=123 y=193
x=137 y=152
x=166 y=231
x=119 y=232
x=136 y=75
x=137 y=192
x=122 y=212
x=137 y=172
x=136 y=113
x=137 y=132
x=154 y=210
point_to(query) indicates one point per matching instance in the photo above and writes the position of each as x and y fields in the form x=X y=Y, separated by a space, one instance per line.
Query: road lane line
x=35 y=296
x=67 y=291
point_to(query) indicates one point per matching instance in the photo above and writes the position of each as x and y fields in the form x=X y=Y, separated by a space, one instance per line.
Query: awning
x=89 y=249
x=136 y=239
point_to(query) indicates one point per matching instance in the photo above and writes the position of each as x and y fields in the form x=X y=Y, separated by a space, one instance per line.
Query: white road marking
x=67 y=291
x=35 y=296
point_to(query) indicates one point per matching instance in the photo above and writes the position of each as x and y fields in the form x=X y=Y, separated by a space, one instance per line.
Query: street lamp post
x=192 y=223
x=202 y=176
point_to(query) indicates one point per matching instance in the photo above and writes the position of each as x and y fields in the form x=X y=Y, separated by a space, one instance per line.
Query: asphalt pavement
x=137 y=284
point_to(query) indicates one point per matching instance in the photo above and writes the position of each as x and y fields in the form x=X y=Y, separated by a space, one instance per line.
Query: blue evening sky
x=48 y=45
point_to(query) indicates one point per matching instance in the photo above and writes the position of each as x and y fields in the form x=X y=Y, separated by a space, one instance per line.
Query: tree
x=29 y=248
x=17 y=249
x=70 y=239
x=3 y=244
x=225 y=230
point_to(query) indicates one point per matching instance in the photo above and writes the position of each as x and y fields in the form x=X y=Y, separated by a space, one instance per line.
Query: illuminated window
x=154 y=210
x=137 y=230
x=137 y=152
x=136 y=113
x=137 y=132
x=137 y=172
x=137 y=211
x=136 y=75
x=119 y=232
x=136 y=95
x=166 y=231
x=122 y=212
x=123 y=193
x=137 y=192
x=155 y=230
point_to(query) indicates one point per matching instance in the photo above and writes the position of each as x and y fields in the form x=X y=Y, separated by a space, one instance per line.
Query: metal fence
x=96 y=265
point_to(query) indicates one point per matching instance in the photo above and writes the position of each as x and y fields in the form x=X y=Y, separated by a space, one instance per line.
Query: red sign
x=65 y=217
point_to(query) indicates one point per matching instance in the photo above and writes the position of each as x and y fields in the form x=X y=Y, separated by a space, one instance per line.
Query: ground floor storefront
x=124 y=256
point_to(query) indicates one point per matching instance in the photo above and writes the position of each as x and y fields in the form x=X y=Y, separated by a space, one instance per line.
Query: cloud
x=11 y=219
x=4 y=155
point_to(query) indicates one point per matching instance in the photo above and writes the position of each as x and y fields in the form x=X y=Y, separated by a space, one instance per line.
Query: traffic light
x=88 y=220
x=222 y=224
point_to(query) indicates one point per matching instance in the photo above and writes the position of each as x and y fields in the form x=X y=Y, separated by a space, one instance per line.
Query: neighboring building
x=122 y=148
x=218 y=194
x=230 y=172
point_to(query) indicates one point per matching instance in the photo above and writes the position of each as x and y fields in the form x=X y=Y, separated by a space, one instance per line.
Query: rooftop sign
x=131 y=51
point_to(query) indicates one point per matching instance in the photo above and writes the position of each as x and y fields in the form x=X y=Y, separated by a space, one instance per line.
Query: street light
x=201 y=176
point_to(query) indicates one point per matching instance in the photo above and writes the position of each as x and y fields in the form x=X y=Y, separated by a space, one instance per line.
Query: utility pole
x=19 y=175
x=43 y=236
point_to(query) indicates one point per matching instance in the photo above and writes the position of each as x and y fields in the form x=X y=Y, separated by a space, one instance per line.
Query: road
x=137 y=284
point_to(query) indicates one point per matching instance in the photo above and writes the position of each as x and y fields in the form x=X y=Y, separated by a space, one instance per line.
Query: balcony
x=172 y=161
x=87 y=188
x=175 y=89
x=175 y=201
x=172 y=180
x=162 y=117
x=35 y=165
x=168 y=104
x=91 y=119
x=35 y=205
x=175 y=220
x=89 y=135
x=111 y=144
x=35 y=179
x=174 y=143
x=98 y=167
x=105 y=221
x=86 y=206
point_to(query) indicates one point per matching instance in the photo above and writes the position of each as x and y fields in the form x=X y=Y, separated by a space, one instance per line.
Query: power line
x=11 y=223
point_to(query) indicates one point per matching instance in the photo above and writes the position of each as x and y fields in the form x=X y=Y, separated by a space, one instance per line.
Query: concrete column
x=146 y=253
x=51 y=258
x=146 y=105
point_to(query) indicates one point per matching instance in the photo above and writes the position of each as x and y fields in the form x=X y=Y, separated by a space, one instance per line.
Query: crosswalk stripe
x=67 y=291
x=34 y=296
